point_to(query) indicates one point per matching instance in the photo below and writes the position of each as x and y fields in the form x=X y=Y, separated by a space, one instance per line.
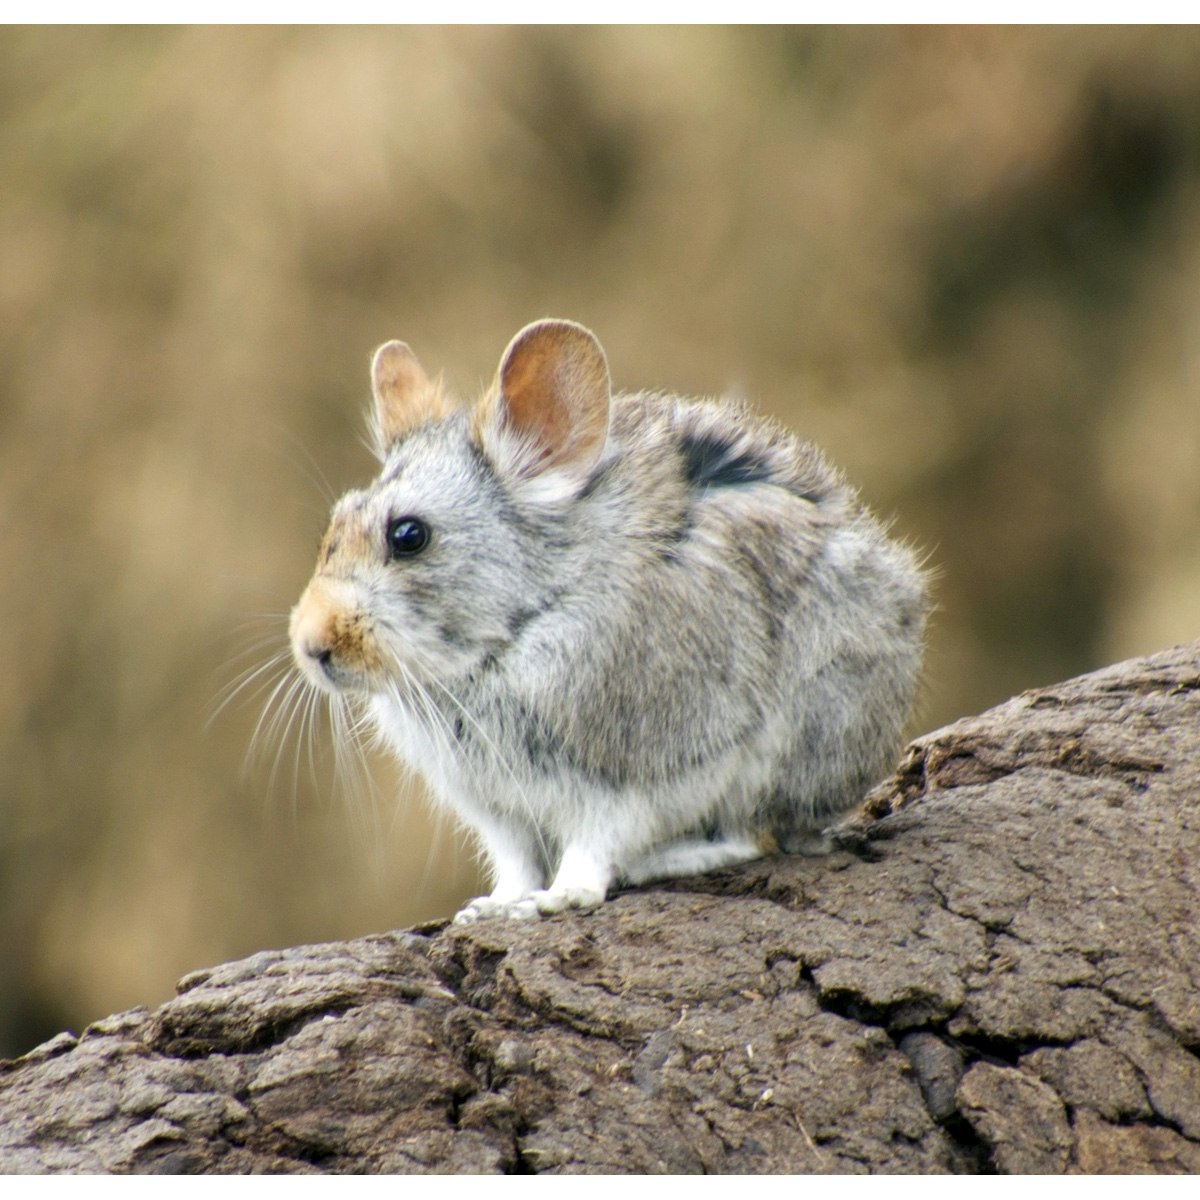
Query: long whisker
x=500 y=761
x=438 y=726
x=290 y=710
x=249 y=683
x=350 y=768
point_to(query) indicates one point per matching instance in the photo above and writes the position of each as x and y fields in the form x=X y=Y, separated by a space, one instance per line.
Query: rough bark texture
x=997 y=970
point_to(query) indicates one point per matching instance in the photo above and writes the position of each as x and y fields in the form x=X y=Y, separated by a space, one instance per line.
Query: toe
x=550 y=902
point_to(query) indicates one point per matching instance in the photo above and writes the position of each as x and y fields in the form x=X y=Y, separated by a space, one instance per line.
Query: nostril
x=321 y=655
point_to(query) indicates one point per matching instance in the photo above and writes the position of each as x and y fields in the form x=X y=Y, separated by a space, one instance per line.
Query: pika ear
x=546 y=418
x=404 y=395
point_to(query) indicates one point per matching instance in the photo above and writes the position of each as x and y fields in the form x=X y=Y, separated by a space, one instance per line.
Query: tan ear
x=404 y=396
x=548 y=413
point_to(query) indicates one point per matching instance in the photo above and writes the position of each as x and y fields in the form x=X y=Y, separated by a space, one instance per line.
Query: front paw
x=484 y=908
x=557 y=900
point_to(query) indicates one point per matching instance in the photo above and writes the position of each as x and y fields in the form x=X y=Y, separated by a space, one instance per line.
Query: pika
x=622 y=637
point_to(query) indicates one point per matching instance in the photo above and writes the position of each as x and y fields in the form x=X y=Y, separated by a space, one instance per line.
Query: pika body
x=622 y=637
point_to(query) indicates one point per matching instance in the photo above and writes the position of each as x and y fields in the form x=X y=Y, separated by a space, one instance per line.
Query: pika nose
x=322 y=656
x=312 y=651
x=317 y=633
x=310 y=646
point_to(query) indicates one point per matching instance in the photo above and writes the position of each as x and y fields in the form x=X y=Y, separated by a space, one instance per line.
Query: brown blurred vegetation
x=965 y=261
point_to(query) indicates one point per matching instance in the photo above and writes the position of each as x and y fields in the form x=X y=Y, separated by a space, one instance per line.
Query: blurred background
x=964 y=261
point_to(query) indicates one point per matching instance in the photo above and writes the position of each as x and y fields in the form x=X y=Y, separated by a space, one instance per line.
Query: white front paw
x=556 y=900
x=542 y=902
x=484 y=908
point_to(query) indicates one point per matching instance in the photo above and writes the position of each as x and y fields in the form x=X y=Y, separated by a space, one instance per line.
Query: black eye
x=406 y=536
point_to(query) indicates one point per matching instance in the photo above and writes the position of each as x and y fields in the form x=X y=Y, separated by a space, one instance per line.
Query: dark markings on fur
x=496 y=652
x=482 y=463
x=543 y=531
x=669 y=539
x=547 y=752
x=452 y=637
x=909 y=617
x=710 y=461
x=518 y=621
x=419 y=582
x=422 y=596
x=395 y=463
x=774 y=601
x=597 y=478
x=490 y=479
x=543 y=748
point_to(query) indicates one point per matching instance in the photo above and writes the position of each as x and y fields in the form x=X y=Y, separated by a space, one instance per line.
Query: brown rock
x=997 y=969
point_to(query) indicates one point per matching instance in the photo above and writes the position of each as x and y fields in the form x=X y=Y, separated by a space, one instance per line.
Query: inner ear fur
x=404 y=395
x=551 y=400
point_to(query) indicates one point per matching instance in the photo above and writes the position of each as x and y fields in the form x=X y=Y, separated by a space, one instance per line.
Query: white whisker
x=250 y=683
x=500 y=761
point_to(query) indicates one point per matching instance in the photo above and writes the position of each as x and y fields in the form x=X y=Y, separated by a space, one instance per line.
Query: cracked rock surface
x=998 y=969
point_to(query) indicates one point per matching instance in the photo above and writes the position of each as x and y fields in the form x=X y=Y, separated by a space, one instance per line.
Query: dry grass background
x=965 y=261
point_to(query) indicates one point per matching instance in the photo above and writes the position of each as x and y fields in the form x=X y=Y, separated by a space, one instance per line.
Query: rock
x=996 y=969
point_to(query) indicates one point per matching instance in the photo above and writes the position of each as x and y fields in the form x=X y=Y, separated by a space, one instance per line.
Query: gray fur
x=705 y=648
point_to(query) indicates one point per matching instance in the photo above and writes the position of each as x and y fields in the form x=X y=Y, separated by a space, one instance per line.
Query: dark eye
x=406 y=536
